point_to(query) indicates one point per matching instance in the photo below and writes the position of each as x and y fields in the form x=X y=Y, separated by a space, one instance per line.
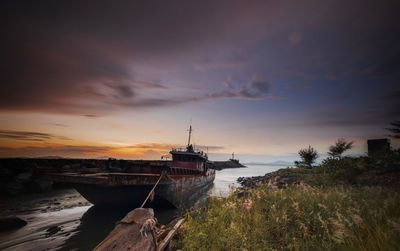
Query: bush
x=340 y=146
x=308 y=157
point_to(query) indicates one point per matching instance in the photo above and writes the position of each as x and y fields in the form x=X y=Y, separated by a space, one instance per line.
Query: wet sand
x=62 y=220
x=51 y=219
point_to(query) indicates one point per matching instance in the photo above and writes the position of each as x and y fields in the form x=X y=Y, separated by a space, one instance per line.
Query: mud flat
x=62 y=220
x=50 y=218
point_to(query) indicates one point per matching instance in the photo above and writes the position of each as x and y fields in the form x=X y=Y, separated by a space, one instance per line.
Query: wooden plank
x=163 y=244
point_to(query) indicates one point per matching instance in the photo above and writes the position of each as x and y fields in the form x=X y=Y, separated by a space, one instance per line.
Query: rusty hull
x=132 y=188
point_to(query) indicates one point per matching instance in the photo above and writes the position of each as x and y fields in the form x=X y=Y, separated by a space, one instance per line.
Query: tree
x=308 y=157
x=395 y=129
x=340 y=146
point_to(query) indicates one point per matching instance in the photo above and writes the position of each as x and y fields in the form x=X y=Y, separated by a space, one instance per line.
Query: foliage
x=340 y=146
x=387 y=161
x=345 y=170
x=308 y=157
x=297 y=218
x=366 y=170
x=395 y=129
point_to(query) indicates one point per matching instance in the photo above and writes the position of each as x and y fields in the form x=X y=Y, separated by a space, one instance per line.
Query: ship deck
x=113 y=179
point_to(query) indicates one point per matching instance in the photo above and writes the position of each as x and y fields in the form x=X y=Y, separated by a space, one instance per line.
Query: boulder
x=52 y=230
x=11 y=223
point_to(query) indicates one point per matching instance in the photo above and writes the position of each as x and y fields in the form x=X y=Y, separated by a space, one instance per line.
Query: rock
x=23 y=177
x=11 y=223
x=52 y=230
x=280 y=184
x=41 y=185
x=249 y=182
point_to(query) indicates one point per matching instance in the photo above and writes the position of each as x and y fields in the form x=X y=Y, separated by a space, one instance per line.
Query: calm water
x=225 y=179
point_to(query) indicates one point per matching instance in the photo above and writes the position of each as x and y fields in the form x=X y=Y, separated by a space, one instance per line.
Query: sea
x=226 y=179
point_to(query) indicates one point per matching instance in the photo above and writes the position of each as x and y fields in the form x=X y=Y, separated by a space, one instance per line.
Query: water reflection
x=94 y=226
x=98 y=221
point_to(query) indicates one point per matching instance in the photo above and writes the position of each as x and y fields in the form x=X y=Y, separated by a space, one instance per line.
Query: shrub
x=340 y=146
x=308 y=157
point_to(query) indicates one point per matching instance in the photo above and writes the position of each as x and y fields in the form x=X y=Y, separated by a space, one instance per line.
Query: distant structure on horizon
x=233 y=158
x=377 y=146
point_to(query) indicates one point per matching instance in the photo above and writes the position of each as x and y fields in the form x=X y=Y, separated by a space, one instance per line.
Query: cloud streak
x=29 y=136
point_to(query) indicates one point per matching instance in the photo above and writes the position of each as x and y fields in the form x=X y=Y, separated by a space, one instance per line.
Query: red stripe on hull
x=189 y=165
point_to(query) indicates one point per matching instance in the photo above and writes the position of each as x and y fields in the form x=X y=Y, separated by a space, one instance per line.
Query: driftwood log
x=134 y=232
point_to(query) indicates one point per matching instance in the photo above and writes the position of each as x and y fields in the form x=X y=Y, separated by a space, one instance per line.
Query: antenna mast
x=190 y=134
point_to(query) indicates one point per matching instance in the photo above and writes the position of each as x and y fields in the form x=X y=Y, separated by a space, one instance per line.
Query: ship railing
x=196 y=150
x=179 y=149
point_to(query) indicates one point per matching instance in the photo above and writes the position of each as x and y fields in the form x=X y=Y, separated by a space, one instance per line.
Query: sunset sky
x=258 y=78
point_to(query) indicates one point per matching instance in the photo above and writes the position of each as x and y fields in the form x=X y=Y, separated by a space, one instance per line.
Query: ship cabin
x=188 y=161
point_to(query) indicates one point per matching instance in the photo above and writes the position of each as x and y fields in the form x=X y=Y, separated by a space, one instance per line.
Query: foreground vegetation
x=342 y=204
x=297 y=218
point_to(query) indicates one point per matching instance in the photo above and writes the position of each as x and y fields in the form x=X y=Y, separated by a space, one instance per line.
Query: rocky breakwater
x=232 y=163
x=278 y=179
x=23 y=175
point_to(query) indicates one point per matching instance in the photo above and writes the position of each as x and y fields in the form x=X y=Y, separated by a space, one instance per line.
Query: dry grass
x=297 y=218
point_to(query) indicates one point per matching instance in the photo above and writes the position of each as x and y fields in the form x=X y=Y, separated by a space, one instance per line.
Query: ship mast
x=190 y=134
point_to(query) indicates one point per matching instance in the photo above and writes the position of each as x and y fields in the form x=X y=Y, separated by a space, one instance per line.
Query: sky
x=263 y=79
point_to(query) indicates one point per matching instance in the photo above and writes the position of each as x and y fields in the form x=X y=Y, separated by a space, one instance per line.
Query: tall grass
x=297 y=218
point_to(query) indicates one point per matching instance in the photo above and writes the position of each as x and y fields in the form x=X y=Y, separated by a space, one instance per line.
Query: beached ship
x=175 y=183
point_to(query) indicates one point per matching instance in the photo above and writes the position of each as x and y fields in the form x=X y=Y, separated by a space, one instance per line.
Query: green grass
x=297 y=218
